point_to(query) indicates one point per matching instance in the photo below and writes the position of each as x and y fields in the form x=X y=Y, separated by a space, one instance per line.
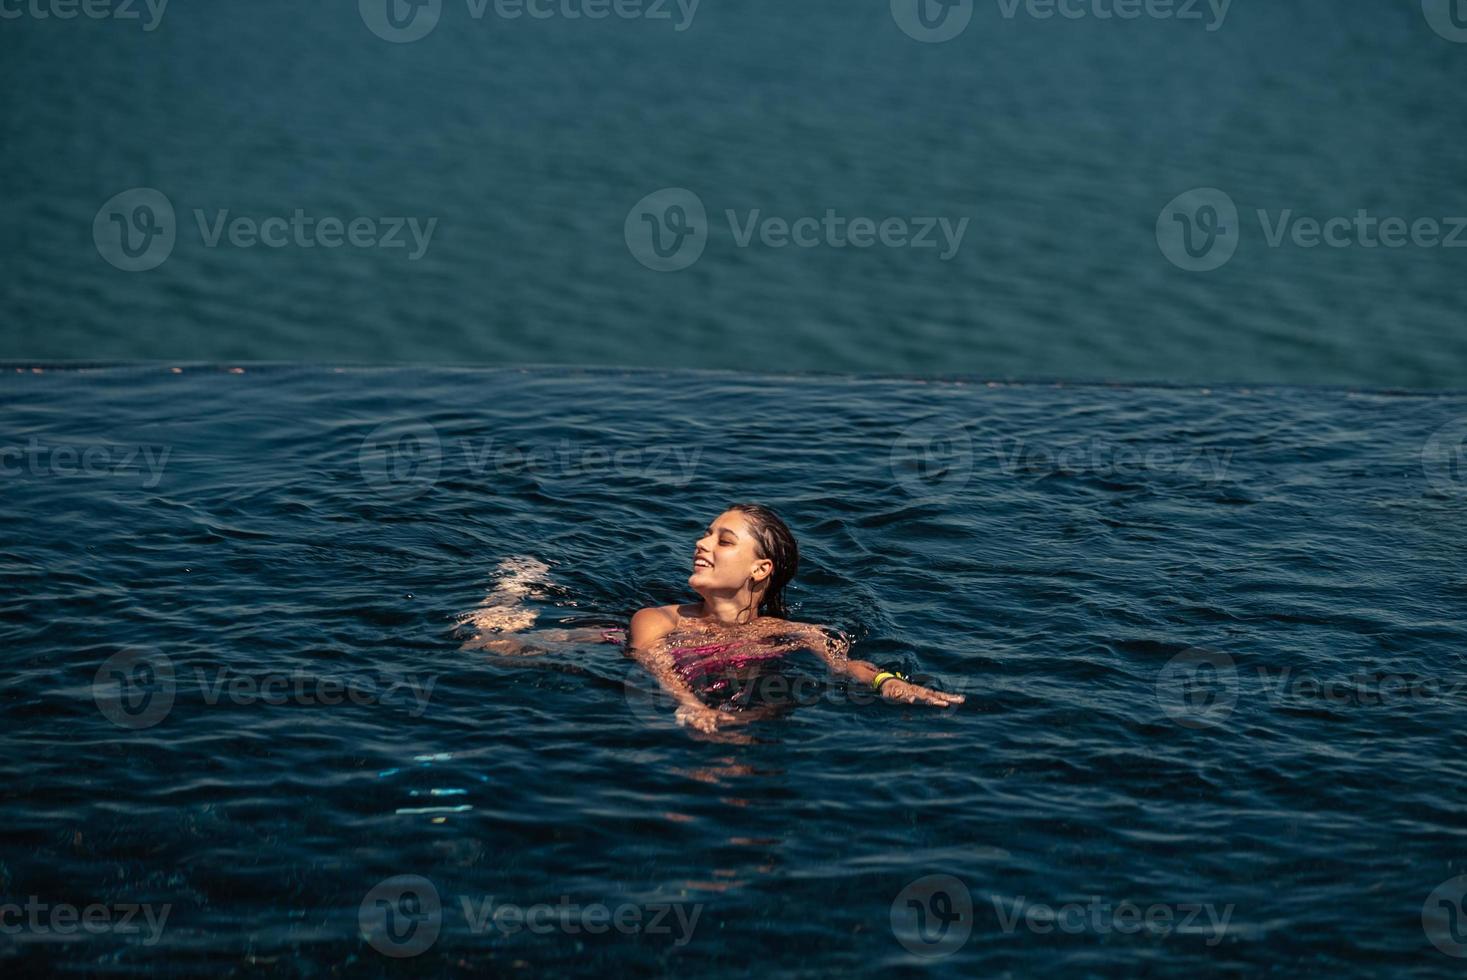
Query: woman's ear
x=763 y=568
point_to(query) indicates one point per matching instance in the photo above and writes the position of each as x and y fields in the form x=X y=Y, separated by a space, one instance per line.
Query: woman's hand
x=905 y=692
x=503 y=644
x=704 y=718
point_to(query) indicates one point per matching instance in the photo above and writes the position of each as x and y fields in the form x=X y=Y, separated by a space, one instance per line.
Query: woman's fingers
x=906 y=693
x=704 y=719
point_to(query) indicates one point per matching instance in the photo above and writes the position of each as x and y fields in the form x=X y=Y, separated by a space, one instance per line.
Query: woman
x=717 y=649
x=741 y=565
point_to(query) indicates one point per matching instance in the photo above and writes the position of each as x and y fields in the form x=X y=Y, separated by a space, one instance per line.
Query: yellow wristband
x=882 y=678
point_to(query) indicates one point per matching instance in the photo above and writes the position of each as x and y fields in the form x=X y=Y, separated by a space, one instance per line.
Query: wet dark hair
x=774 y=541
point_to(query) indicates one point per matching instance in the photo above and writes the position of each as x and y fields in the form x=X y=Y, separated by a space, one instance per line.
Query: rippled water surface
x=1116 y=577
x=530 y=140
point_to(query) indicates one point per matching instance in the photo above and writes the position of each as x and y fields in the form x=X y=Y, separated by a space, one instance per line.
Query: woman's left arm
x=536 y=642
x=834 y=650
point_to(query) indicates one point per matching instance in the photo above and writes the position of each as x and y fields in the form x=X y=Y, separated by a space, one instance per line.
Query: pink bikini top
x=694 y=663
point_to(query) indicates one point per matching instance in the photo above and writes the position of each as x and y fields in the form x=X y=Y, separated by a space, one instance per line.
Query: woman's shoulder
x=654 y=621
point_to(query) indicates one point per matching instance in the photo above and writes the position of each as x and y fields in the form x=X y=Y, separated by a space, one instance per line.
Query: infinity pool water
x=1210 y=640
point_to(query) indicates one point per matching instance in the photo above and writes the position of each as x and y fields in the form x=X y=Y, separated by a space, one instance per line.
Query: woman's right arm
x=834 y=648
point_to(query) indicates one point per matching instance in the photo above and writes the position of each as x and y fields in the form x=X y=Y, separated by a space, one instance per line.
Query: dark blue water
x=1210 y=640
x=529 y=143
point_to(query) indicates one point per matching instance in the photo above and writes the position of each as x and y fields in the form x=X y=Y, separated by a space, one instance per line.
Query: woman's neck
x=729 y=610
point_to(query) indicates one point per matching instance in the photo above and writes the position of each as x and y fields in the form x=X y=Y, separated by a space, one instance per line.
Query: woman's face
x=726 y=556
